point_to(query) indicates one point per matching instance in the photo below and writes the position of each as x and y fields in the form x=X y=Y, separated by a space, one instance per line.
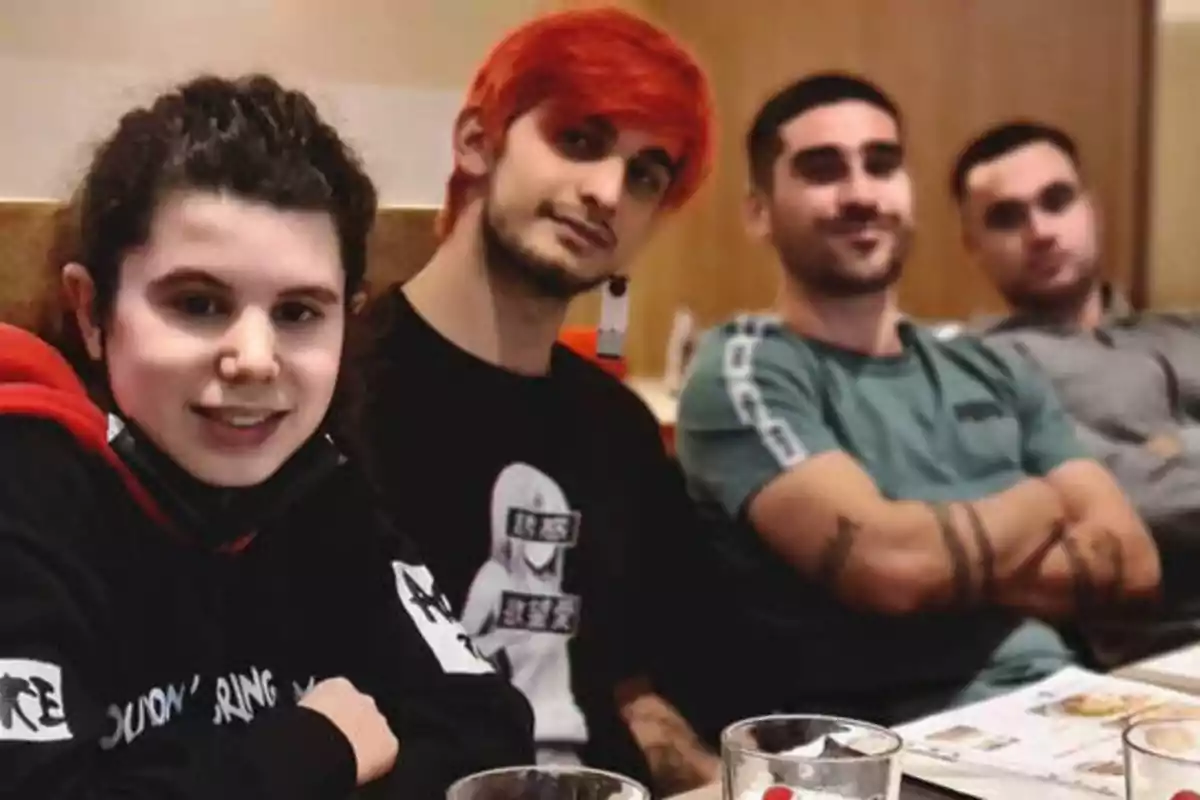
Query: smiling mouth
x=240 y=418
x=863 y=241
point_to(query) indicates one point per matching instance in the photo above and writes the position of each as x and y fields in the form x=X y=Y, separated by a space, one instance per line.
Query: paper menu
x=1065 y=729
x=1183 y=663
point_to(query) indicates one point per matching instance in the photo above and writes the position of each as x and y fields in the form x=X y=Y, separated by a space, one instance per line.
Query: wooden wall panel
x=954 y=66
x=25 y=234
x=401 y=242
x=1175 y=198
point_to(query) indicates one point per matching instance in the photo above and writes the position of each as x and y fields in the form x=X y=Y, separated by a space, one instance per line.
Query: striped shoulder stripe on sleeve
x=737 y=371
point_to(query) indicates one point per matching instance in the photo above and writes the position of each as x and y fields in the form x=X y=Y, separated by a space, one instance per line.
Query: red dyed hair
x=600 y=62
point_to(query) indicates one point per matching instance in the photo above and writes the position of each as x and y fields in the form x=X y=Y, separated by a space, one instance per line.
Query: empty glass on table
x=547 y=783
x=1162 y=759
x=810 y=757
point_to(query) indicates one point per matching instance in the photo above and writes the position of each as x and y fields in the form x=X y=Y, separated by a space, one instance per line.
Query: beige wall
x=389 y=73
x=427 y=43
x=1174 y=247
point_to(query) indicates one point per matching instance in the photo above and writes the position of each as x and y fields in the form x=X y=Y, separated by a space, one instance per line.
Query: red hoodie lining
x=36 y=381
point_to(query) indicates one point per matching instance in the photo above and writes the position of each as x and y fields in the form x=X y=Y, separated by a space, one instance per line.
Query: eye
x=581 y=144
x=647 y=179
x=297 y=313
x=883 y=160
x=199 y=304
x=821 y=165
x=1006 y=215
x=1057 y=197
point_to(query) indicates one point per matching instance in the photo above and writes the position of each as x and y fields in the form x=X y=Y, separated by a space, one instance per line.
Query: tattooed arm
x=828 y=519
x=752 y=435
x=1105 y=560
x=678 y=760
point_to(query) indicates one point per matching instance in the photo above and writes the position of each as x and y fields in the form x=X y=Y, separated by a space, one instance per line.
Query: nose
x=603 y=183
x=857 y=189
x=248 y=351
x=1040 y=229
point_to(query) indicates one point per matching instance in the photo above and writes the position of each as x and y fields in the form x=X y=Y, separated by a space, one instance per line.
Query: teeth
x=242 y=420
x=246 y=422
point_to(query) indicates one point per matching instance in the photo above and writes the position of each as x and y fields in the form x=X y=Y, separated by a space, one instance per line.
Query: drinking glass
x=810 y=757
x=1162 y=759
x=547 y=783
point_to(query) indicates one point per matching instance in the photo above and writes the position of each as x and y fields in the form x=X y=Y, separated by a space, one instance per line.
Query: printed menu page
x=1183 y=663
x=1065 y=729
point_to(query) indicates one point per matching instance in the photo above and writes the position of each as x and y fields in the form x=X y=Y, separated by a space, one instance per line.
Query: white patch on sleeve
x=430 y=611
x=31 y=702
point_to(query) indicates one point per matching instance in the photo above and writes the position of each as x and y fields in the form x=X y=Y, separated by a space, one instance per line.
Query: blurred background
x=1119 y=75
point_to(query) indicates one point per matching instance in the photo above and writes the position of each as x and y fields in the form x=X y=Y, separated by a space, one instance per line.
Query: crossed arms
x=1068 y=544
x=1062 y=541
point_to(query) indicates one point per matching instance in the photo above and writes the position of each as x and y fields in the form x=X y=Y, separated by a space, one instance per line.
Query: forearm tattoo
x=960 y=562
x=836 y=554
x=1107 y=547
x=1032 y=564
x=1080 y=575
x=987 y=553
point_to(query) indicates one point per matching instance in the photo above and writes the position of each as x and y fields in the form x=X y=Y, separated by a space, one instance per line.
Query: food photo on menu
x=1066 y=729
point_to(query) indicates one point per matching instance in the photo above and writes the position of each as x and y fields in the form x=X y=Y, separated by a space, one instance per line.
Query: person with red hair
x=536 y=482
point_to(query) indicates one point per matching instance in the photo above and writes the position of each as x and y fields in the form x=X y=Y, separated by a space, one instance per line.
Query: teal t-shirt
x=943 y=421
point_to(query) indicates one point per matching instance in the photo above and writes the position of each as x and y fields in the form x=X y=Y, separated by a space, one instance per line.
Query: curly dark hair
x=248 y=136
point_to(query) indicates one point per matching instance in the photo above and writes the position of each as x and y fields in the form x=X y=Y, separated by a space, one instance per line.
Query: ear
x=756 y=214
x=358 y=301
x=80 y=290
x=472 y=153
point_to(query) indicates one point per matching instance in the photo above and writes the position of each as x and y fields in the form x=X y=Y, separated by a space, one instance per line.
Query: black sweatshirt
x=136 y=664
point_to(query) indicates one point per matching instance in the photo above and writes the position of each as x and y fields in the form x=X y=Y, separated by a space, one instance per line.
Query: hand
x=1083 y=568
x=357 y=717
x=1164 y=445
x=1106 y=571
x=678 y=760
x=1097 y=561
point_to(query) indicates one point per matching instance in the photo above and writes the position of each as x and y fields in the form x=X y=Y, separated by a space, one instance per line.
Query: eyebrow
x=820 y=151
x=1059 y=183
x=826 y=150
x=1006 y=202
x=184 y=275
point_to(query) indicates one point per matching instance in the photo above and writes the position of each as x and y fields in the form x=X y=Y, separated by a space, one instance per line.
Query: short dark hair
x=1002 y=140
x=763 y=144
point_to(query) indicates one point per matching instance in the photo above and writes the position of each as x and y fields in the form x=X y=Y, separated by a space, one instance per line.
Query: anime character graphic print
x=516 y=609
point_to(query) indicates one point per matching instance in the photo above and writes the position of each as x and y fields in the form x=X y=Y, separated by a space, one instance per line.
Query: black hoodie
x=139 y=660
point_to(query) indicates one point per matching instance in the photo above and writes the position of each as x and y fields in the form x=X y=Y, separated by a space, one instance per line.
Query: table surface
x=995 y=785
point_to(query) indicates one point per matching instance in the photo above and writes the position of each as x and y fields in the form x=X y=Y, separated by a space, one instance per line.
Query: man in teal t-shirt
x=891 y=514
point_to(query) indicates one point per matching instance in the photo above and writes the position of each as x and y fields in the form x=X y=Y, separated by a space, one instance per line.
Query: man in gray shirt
x=1131 y=383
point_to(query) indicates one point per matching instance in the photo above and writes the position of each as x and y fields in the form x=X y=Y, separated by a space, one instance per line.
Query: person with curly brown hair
x=197 y=596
